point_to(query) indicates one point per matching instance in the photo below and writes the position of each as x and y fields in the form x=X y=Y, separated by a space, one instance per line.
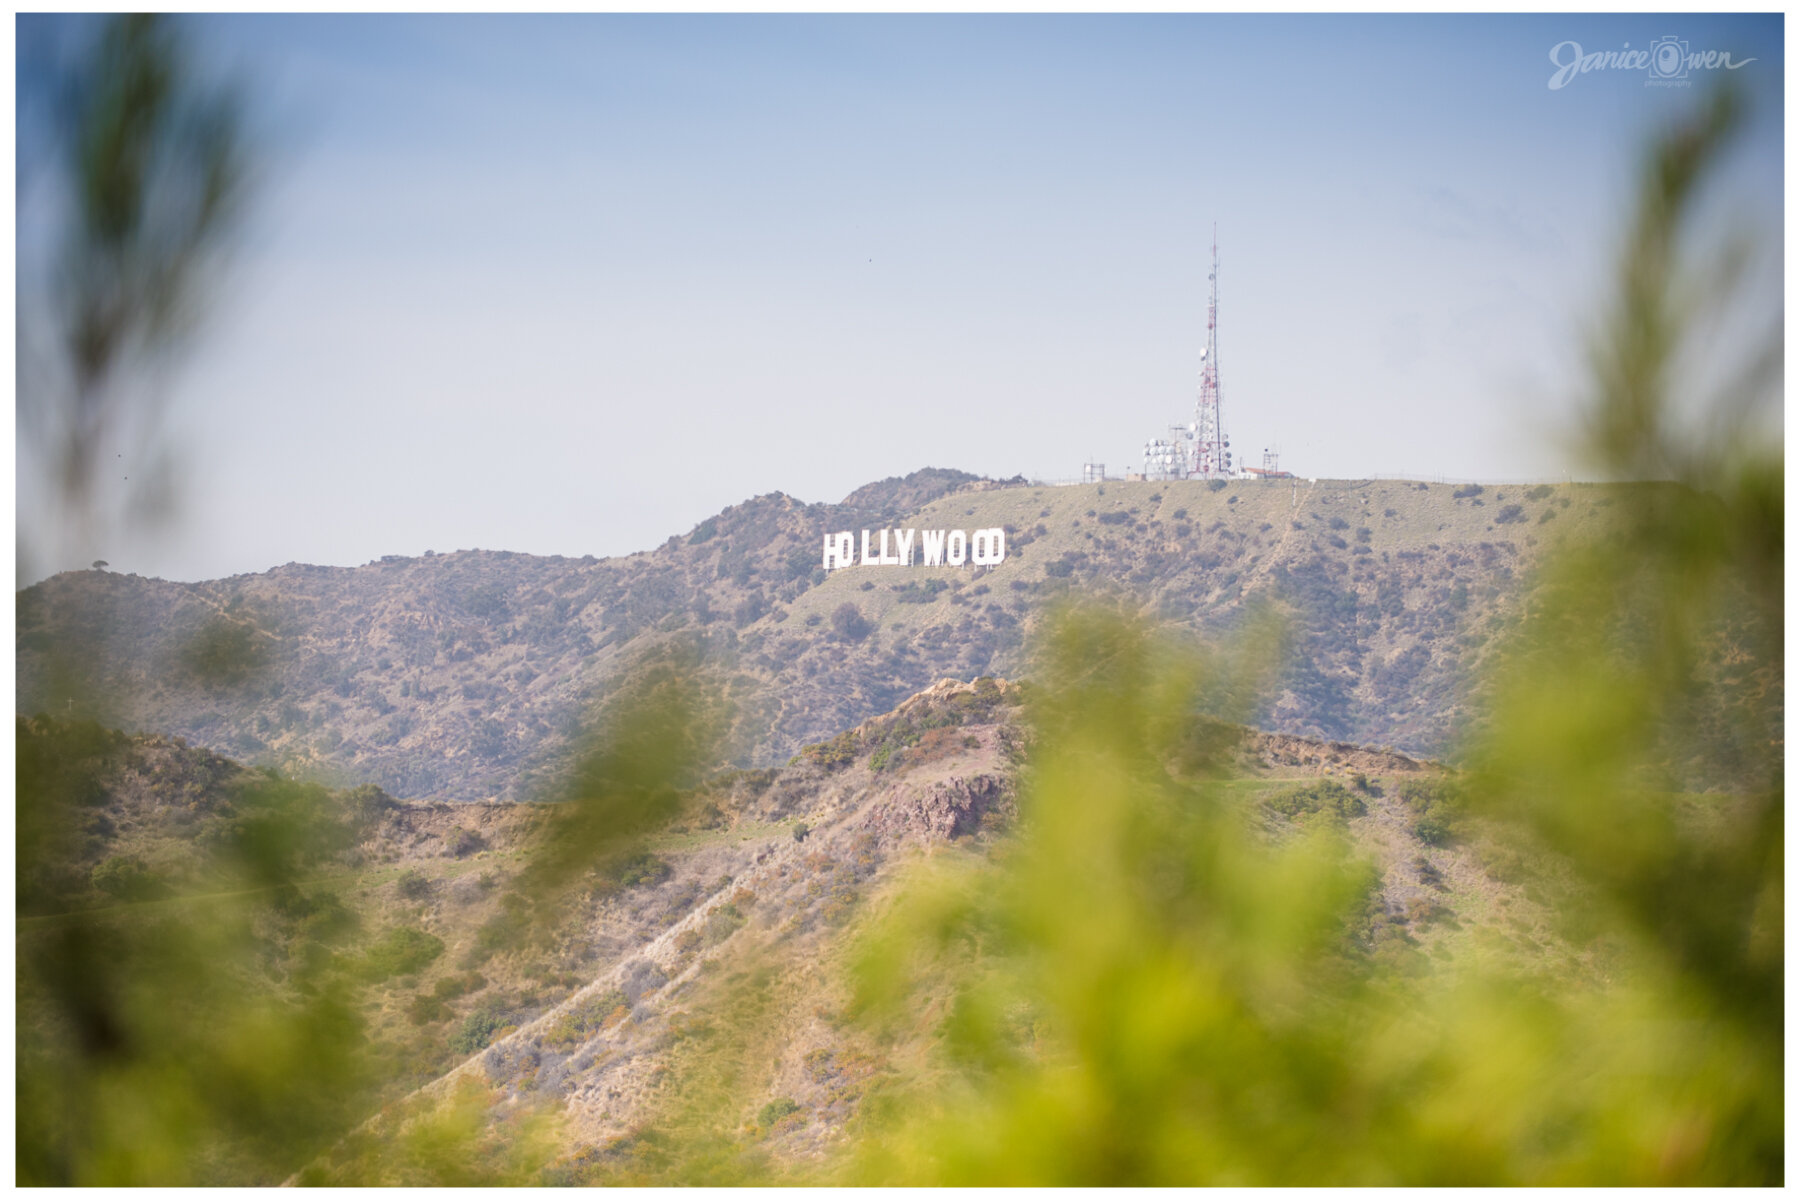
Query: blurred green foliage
x=154 y=174
x=213 y=1032
x=126 y=878
x=164 y=1041
x=446 y=1138
x=655 y=741
x=1145 y=992
x=399 y=952
x=1153 y=983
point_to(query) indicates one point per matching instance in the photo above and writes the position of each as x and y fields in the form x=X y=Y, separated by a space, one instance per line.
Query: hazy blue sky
x=569 y=285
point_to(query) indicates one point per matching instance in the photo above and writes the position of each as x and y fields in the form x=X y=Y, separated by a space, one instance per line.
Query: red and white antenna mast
x=1212 y=449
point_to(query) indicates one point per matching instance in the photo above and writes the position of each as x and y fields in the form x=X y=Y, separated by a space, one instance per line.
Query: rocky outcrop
x=1280 y=750
x=948 y=809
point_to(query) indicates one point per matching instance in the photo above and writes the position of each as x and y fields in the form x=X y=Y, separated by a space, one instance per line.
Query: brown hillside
x=465 y=676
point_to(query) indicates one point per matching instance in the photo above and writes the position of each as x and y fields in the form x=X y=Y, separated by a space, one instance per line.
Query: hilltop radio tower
x=1199 y=450
x=1212 y=449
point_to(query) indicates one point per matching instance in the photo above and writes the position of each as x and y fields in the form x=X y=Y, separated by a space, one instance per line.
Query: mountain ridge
x=466 y=675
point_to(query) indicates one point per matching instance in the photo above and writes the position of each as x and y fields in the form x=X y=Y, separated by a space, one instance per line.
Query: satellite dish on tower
x=1203 y=352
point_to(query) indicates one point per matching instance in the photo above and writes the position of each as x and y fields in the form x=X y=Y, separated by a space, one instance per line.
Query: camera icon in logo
x=1668 y=58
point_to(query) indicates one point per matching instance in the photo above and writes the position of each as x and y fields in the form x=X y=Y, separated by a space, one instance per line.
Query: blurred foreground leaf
x=1146 y=991
x=153 y=172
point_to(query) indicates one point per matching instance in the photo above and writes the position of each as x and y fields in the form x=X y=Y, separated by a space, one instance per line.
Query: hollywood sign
x=937 y=548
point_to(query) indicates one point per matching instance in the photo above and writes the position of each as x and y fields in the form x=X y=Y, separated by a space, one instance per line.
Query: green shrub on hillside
x=1327 y=798
x=775 y=1110
x=505 y=930
x=727 y=919
x=642 y=869
x=127 y=879
x=1435 y=807
x=848 y=623
x=399 y=951
x=478 y=1028
x=463 y=842
x=921 y=591
x=584 y=1019
x=429 y=1007
x=840 y=751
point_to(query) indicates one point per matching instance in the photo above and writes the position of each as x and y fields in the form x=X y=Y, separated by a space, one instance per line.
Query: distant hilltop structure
x=1202 y=448
x=1271 y=468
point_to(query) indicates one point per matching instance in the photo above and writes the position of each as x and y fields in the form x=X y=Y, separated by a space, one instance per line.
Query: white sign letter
x=903 y=539
x=956 y=549
x=933 y=540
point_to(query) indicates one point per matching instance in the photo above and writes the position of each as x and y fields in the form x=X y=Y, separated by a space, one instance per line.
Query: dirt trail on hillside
x=1279 y=551
x=861 y=822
